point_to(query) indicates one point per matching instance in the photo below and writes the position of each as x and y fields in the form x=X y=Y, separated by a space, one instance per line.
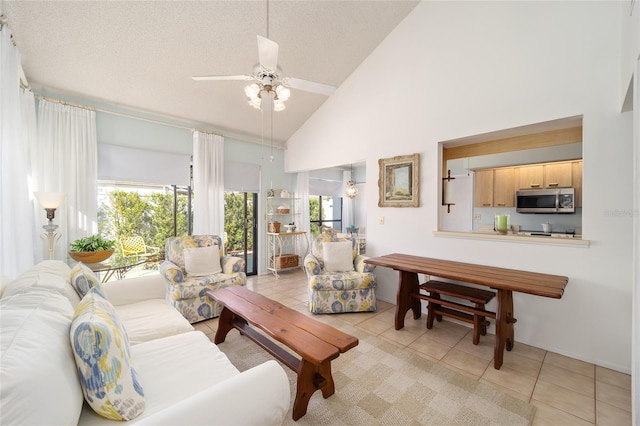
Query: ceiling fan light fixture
x=255 y=102
x=278 y=105
x=255 y=92
x=283 y=92
x=252 y=91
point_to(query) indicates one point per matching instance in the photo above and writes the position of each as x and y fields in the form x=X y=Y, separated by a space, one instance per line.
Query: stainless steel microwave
x=558 y=200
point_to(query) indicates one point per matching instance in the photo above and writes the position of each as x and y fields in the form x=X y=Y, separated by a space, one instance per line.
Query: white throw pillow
x=52 y=275
x=201 y=261
x=338 y=256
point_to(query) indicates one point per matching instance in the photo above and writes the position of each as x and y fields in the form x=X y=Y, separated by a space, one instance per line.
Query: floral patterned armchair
x=338 y=292
x=188 y=293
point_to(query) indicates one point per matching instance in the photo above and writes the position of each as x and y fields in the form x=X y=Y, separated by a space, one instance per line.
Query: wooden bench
x=438 y=307
x=315 y=342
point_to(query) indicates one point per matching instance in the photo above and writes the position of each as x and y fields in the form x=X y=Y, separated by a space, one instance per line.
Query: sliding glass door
x=240 y=227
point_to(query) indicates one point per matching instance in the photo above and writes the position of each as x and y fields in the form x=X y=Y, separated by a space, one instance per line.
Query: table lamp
x=50 y=201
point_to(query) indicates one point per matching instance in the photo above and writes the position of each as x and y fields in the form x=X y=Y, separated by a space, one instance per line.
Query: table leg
x=407 y=287
x=225 y=325
x=107 y=275
x=504 y=326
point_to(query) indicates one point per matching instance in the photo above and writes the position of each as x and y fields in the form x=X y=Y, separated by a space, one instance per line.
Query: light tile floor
x=565 y=391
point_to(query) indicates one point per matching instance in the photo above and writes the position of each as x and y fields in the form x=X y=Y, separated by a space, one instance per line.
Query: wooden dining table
x=504 y=281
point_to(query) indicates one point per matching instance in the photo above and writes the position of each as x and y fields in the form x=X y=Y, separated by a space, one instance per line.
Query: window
x=156 y=212
x=324 y=210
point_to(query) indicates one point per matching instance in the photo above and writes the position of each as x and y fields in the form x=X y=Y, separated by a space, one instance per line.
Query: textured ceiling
x=142 y=54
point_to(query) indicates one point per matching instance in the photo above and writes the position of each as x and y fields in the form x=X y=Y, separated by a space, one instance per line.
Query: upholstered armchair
x=193 y=265
x=339 y=280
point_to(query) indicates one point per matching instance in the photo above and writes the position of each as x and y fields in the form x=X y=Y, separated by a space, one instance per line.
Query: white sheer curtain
x=16 y=224
x=65 y=159
x=302 y=221
x=302 y=192
x=208 y=183
x=347 y=203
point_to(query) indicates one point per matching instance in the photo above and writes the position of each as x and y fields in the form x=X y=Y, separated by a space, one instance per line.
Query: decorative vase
x=91 y=256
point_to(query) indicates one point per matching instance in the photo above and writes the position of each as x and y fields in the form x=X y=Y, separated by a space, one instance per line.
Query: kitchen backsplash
x=529 y=222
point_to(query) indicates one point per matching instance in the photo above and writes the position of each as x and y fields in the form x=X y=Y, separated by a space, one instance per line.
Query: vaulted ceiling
x=141 y=54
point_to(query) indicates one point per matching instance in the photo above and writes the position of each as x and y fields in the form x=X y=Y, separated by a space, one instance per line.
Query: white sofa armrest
x=132 y=290
x=258 y=396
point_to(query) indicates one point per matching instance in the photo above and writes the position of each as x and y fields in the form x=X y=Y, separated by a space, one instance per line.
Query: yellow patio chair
x=135 y=246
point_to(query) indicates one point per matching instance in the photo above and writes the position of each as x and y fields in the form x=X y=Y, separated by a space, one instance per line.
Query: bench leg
x=483 y=320
x=310 y=379
x=479 y=325
x=431 y=311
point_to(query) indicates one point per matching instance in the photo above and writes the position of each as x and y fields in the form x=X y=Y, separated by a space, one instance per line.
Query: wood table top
x=535 y=283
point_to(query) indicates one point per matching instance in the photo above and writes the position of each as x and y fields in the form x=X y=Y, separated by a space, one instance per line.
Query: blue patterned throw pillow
x=83 y=279
x=103 y=358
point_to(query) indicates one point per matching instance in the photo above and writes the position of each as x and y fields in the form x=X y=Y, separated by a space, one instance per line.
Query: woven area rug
x=378 y=382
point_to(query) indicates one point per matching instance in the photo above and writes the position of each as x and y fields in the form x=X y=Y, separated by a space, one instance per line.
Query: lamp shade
x=50 y=200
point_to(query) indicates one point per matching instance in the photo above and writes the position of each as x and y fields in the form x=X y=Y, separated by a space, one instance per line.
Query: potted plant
x=91 y=249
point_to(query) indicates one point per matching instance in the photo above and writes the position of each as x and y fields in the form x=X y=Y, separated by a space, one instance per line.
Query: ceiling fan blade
x=308 y=86
x=221 y=77
x=268 y=53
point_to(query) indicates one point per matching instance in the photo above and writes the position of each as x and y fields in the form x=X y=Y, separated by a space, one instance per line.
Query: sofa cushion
x=173 y=368
x=51 y=275
x=202 y=261
x=151 y=319
x=103 y=357
x=38 y=375
x=337 y=256
x=83 y=279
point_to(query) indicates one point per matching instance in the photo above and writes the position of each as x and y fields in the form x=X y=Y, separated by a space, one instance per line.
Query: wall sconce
x=50 y=201
x=447 y=191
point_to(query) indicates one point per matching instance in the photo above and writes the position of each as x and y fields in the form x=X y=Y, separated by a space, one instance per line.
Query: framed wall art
x=399 y=181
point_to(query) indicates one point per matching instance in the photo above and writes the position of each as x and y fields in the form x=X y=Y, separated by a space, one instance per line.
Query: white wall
x=455 y=69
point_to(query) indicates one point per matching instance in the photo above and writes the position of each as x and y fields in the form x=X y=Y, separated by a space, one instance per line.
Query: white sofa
x=186 y=378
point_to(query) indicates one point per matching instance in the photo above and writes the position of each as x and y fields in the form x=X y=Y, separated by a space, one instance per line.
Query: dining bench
x=438 y=307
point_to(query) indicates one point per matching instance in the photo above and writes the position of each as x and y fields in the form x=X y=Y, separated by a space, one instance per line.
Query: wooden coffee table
x=315 y=342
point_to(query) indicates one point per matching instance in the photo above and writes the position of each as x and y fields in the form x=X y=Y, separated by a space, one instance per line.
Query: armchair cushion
x=202 y=261
x=337 y=256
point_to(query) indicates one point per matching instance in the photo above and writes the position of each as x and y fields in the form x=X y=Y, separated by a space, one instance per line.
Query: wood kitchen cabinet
x=576 y=181
x=549 y=175
x=531 y=177
x=557 y=175
x=497 y=187
x=494 y=188
x=504 y=191
x=483 y=188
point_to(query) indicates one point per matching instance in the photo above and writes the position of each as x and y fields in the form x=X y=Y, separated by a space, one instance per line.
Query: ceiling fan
x=268 y=81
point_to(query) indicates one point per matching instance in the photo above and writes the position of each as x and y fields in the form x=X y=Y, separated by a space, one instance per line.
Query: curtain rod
x=151 y=120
